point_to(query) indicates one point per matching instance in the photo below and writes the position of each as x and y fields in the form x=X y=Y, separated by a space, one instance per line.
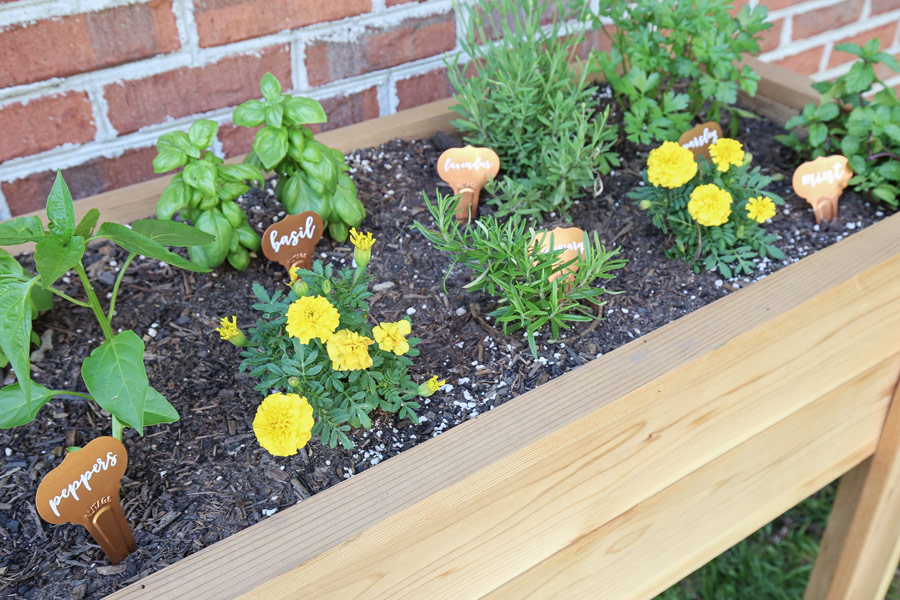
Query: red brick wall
x=88 y=89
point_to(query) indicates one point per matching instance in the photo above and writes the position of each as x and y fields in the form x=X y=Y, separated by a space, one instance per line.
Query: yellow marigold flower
x=391 y=337
x=710 y=205
x=670 y=166
x=363 y=241
x=726 y=152
x=431 y=386
x=362 y=251
x=292 y=273
x=760 y=209
x=312 y=317
x=349 y=351
x=229 y=330
x=283 y=423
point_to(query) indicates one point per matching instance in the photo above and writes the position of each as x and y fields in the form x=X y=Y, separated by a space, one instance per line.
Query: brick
x=225 y=21
x=805 y=63
x=396 y=2
x=779 y=4
x=424 y=88
x=136 y=103
x=98 y=175
x=885 y=33
x=349 y=109
x=771 y=37
x=46 y=123
x=86 y=42
x=236 y=140
x=410 y=40
x=883 y=6
x=824 y=19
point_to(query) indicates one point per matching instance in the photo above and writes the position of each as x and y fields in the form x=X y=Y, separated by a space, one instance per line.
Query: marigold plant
x=713 y=209
x=315 y=343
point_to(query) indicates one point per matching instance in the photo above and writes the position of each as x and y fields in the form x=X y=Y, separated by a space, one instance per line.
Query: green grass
x=774 y=563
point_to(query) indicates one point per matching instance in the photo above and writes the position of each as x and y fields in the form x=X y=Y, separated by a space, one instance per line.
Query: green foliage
x=671 y=61
x=114 y=373
x=340 y=399
x=851 y=121
x=729 y=248
x=527 y=103
x=204 y=192
x=311 y=176
x=513 y=269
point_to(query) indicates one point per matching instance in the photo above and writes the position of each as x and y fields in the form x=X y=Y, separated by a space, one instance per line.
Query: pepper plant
x=205 y=192
x=114 y=372
x=853 y=121
x=311 y=176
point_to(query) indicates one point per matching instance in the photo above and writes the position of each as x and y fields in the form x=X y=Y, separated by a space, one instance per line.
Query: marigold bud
x=326 y=287
x=430 y=387
x=645 y=204
x=300 y=287
x=293 y=381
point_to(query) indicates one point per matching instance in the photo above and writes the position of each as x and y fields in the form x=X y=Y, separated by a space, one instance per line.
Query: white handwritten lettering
x=477 y=165
x=709 y=136
x=832 y=175
x=578 y=246
x=71 y=490
x=293 y=238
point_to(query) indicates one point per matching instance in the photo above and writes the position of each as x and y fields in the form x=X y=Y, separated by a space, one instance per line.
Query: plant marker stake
x=84 y=490
x=290 y=242
x=820 y=182
x=570 y=240
x=467 y=169
x=698 y=139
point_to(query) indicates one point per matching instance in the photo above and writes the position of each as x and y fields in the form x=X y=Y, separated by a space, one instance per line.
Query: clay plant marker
x=568 y=239
x=467 y=170
x=820 y=182
x=291 y=241
x=84 y=490
x=698 y=139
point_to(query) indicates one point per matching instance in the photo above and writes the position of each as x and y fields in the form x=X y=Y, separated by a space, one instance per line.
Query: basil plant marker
x=114 y=373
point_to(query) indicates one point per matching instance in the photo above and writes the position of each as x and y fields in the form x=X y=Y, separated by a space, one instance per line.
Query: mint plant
x=311 y=176
x=204 y=192
x=114 y=372
x=526 y=102
x=857 y=121
x=676 y=60
x=532 y=290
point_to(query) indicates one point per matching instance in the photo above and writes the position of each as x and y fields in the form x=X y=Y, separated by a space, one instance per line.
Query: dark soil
x=197 y=481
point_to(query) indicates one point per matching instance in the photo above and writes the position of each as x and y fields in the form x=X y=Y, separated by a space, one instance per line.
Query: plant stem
x=882 y=155
x=117 y=427
x=68 y=297
x=115 y=290
x=68 y=393
x=94 y=303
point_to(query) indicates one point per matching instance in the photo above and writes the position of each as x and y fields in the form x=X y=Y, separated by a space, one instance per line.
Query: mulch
x=194 y=482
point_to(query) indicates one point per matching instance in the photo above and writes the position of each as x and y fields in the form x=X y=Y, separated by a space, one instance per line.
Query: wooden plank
x=780 y=94
x=842 y=510
x=138 y=201
x=871 y=548
x=651 y=546
x=471 y=537
x=243 y=561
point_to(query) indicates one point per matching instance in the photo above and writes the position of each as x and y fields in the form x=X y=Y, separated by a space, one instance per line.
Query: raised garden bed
x=723 y=418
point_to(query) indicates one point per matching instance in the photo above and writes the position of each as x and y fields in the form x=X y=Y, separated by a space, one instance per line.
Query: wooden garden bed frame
x=622 y=476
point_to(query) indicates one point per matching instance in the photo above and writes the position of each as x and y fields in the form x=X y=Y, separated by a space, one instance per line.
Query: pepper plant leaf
x=115 y=376
x=21 y=230
x=17 y=409
x=141 y=244
x=172 y=233
x=157 y=409
x=52 y=259
x=61 y=210
x=85 y=227
x=15 y=328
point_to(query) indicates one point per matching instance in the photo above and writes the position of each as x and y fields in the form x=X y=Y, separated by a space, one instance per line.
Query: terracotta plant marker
x=291 y=241
x=84 y=490
x=698 y=139
x=467 y=170
x=570 y=238
x=820 y=182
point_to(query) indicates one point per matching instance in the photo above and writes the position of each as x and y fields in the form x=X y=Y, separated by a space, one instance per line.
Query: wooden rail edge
x=780 y=95
x=692 y=391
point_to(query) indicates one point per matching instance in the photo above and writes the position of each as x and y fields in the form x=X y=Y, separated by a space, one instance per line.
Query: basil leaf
x=202 y=131
x=270 y=88
x=270 y=145
x=301 y=111
x=201 y=175
x=251 y=113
